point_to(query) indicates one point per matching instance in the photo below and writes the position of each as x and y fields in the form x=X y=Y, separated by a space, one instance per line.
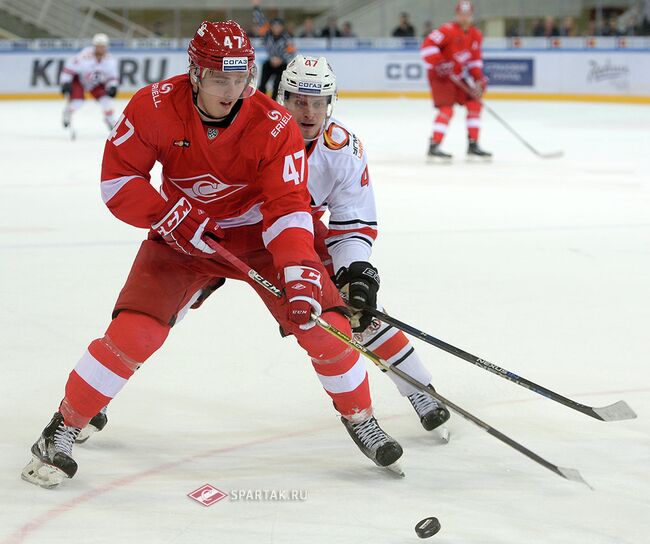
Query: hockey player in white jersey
x=93 y=70
x=339 y=182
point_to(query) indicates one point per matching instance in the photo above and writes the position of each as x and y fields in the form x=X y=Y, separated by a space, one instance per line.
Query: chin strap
x=195 y=96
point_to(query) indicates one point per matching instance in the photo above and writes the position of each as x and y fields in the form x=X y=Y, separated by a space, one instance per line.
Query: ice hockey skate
x=96 y=424
x=67 y=124
x=52 y=455
x=435 y=154
x=475 y=152
x=375 y=444
x=432 y=414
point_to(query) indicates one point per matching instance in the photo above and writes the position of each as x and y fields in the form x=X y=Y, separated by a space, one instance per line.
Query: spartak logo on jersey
x=205 y=188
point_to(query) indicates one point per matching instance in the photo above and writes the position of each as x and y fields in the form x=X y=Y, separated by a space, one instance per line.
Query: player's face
x=309 y=112
x=464 y=19
x=219 y=91
x=100 y=51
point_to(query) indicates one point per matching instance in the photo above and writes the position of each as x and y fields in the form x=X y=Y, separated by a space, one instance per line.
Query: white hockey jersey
x=89 y=70
x=339 y=182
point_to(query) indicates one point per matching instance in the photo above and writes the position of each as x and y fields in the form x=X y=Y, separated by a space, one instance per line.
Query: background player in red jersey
x=453 y=51
x=234 y=170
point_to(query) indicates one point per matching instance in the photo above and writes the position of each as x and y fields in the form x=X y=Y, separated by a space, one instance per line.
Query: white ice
x=539 y=266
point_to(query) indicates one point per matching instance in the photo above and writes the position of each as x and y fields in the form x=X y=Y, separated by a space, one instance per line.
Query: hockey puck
x=427 y=527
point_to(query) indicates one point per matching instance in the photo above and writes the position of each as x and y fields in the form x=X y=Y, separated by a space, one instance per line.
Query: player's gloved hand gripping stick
x=567 y=473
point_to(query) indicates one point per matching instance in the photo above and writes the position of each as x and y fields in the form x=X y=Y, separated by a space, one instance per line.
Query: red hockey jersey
x=450 y=49
x=252 y=172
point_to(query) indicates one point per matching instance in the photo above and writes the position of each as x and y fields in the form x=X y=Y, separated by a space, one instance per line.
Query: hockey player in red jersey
x=92 y=70
x=234 y=170
x=453 y=52
x=339 y=182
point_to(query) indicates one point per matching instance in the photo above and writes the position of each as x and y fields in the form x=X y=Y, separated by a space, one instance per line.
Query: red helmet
x=222 y=46
x=464 y=7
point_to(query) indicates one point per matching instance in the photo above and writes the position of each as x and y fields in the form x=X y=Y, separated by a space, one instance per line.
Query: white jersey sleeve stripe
x=299 y=220
x=110 y=187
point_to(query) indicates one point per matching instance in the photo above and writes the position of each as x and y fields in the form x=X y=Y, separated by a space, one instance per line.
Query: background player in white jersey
x=92 y=70
x=339 y=182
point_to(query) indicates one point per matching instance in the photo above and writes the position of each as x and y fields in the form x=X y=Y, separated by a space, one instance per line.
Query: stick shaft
x=623 y=412
x=459 y=83
x=243 y=267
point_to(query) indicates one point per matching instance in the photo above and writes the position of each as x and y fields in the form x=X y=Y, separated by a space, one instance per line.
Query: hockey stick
x=567 y=473
x=550 y=155
x=614 y=412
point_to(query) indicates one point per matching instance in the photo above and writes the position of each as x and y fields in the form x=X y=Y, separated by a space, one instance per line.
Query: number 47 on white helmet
x=308 y=89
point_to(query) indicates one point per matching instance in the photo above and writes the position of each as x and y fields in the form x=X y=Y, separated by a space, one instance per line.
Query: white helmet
x=310 y=76
x=101 y=39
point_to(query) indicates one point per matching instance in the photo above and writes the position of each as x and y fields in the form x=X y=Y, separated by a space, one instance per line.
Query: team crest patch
x=212 y=133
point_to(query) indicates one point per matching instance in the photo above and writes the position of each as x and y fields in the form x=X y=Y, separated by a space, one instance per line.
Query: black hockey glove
x=111 y=91
x=66 y=89
x=359 y=284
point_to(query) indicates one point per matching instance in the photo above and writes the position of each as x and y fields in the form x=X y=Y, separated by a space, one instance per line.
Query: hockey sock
x=108 y=363
x=340 y=369
x=394 y=347
x=440 y=124
x=473 y=120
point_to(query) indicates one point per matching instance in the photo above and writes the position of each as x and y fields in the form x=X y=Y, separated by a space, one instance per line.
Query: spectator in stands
x=346 y=30
x=512 y=31
x=568 y=27
x=550 y=28
x=331 y=30
x=279 y=47
x=405 y=28
x=308 y=30
x=611 y=28
x=157 y=29
x=644 y=28
x=427 y=28
x=632 y=25
x=538 y=28
x=592 y=28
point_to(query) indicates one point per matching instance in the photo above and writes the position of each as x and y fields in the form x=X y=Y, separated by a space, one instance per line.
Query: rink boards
x=621 y=75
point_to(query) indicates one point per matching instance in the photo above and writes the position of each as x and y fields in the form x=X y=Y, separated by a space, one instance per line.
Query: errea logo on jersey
x=235 y=64
x=310 y=87
x=205 y=188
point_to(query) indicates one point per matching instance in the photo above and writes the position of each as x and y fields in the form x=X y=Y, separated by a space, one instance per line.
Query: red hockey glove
x=304 y=290
x=184 y=227
x=477 y=86
x=448 y=68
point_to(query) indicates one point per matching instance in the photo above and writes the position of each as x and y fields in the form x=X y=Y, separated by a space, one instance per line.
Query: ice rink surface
x=542 y=267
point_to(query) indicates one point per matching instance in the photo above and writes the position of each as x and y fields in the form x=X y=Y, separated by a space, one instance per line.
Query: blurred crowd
x=612 y=22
